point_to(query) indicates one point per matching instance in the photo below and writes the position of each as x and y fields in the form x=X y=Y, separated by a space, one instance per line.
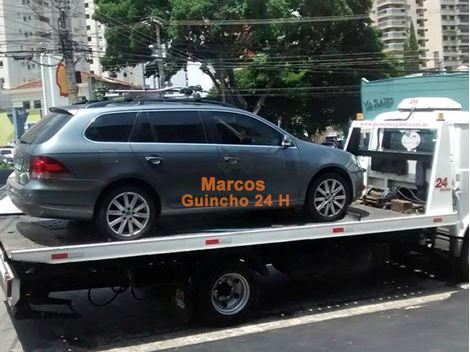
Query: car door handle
x=231 y=159
x=154 y=160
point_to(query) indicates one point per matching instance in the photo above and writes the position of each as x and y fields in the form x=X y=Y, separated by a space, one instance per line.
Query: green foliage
x=305 y=75
x=411 y=53
x=5 y=166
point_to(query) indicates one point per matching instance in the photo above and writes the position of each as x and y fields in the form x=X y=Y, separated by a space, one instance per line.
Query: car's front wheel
x=126 y=213
x=328 y=197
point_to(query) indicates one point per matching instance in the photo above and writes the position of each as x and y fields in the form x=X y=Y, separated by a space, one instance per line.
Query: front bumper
x=357 y=180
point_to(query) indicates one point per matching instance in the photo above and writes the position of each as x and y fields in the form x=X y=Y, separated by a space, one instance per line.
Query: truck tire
x=328 y=197
x=226 y=294
x=125 y=213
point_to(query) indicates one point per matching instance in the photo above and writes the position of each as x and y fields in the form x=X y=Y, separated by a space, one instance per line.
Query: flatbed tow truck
x=213 y=262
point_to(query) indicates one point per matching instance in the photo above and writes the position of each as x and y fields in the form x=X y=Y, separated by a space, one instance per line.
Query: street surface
x=400 y=307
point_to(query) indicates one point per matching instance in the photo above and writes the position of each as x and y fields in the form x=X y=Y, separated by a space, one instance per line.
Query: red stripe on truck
x=56 y=256
x=214 y=241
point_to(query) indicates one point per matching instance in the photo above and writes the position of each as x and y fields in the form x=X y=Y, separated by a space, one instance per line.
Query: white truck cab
x=421 y=149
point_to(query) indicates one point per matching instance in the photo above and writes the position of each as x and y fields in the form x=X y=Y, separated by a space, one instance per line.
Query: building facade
x=26 y=30
x=441 y=29
x=385 y=95
x=97 y=45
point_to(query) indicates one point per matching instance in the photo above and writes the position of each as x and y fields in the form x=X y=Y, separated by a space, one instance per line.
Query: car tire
x=126 y=213
x=226 y=294
x=328 y=197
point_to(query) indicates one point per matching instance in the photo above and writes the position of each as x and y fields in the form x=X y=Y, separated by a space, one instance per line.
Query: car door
x=172 y=147
x=251 y=150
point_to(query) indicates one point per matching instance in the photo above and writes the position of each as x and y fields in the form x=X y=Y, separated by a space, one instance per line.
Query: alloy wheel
x=330 y=197
x=128 y=214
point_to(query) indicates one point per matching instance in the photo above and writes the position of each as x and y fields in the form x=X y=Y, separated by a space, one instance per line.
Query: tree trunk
x=241 y=101
x=259 y=104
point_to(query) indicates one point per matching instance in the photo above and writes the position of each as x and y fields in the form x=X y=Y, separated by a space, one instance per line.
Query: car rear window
x=111 y=127
x=45 y=128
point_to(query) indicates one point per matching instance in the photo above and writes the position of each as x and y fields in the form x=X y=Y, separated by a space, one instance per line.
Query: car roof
x=149 y=105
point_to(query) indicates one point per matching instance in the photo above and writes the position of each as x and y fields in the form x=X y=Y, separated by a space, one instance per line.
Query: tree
x=299 y=73
x=411 y=52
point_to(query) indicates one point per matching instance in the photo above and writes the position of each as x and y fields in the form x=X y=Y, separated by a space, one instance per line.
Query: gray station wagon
x=123 y=165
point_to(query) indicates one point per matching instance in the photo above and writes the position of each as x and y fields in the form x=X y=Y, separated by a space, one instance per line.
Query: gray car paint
x=97 y=165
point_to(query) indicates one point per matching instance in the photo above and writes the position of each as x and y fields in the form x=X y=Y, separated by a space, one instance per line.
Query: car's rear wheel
x=328 y=197
x=126 y=213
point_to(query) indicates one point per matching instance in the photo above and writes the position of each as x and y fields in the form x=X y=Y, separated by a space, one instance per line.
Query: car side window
x=115 y=127
x=177 y=126
x=142 y=132
x=244 y=130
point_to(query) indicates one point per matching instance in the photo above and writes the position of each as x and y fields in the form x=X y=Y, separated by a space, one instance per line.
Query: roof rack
x=151 y=96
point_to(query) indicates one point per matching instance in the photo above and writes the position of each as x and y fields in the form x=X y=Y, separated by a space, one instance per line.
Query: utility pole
x=67 y=50
x=158 y=52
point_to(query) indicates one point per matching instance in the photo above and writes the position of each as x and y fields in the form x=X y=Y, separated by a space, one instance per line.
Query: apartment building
x=441 y=29
x=29 y=28
x=25 y=32
x=97 y=43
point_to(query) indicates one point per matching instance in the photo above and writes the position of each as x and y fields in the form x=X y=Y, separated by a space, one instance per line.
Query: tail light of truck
x=44 y=167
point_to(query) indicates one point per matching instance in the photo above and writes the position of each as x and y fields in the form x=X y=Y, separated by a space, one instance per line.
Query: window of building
x=89 y=39
x=2 y=80
x=27 y=104
x=87 y=16
x=124 y=74
x=1 y=64
x=86 y=5
x=111 y=127
x=37 y=104
x=88 y=27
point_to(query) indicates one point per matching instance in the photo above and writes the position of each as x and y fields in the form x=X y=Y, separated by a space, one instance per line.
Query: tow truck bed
x=26 y=239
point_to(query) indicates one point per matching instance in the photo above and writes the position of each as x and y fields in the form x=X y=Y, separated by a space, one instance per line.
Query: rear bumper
x=61 y=200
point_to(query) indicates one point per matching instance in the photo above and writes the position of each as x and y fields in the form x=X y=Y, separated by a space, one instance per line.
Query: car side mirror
x=287 y=142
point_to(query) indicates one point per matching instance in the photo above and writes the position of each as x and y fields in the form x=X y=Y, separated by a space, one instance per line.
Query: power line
x=318 y=19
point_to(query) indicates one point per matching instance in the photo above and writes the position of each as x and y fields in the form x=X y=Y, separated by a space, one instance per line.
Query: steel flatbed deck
x=26 y=239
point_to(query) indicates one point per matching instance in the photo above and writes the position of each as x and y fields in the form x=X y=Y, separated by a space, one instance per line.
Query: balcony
x=447 y=22
x=462 y=20
x=449 y=32
x=394 y=35
x=390 y=2
x=448 y=12
x=391 y=12
x=392 y=24
x=394 y=47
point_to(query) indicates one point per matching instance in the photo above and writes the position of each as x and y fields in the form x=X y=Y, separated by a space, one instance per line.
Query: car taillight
x=44 y=167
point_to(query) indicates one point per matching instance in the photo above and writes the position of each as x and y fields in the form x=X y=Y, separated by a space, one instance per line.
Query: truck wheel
x=226 y=294
x=126 y=213
x=328 y=197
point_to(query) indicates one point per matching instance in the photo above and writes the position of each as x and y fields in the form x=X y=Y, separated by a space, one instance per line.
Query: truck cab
x=421 y=152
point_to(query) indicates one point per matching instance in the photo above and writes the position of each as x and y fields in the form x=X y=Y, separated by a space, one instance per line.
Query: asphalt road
x=440 y=326
x=388 y=310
